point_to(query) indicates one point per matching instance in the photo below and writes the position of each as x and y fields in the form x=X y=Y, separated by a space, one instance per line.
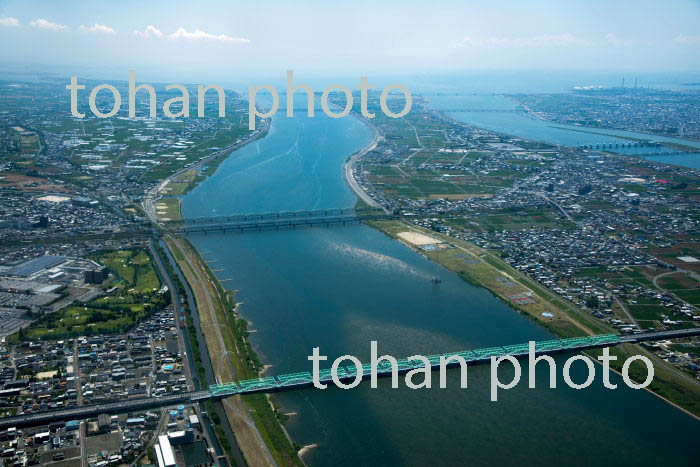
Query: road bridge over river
x=294 y=381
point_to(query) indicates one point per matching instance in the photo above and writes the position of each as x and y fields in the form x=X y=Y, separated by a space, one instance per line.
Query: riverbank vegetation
x=234 y=359
x=485 y=268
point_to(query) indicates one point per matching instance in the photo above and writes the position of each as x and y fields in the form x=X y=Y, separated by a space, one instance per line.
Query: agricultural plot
x=673 y=254
x=684 y=286
x=411 y=181
x=635 y=276
x=29 y=142
x=528 y=219
x=648 y=311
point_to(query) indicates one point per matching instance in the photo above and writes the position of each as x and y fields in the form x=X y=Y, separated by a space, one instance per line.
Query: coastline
x=256 y=423
x=664 y=375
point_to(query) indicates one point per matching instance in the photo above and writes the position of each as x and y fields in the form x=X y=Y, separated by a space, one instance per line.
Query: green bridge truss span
x=295 y=380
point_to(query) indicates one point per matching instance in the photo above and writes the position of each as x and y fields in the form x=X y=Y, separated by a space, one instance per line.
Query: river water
x=338 y=288
x=526 y=126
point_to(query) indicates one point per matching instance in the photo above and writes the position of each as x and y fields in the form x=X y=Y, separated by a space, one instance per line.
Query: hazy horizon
x=217 y=39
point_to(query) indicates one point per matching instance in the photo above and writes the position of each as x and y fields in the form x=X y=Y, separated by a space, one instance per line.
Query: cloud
x=182 y=33
x=616 y=41
x=41 y=23
x=9 y=22
x=468 y=42
x=150 y=31
x=545 y=40
x=98 y=28
x=687 y=40
x=198 y=34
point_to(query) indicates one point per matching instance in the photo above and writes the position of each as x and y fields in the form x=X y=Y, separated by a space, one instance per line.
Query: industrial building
x=34 y=266
x=164 y=452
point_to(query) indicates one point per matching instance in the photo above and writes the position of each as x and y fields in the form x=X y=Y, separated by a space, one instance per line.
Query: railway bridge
x=274 y=220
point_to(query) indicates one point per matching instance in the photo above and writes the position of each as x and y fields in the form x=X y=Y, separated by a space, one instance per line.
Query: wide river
x=490 y=115
x=339 y=288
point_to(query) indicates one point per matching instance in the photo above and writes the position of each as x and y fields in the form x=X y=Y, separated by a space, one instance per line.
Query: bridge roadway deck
x=293 y=381
x=87 y=411
x=490 y=111
x=639 y=144
x=275 y=215
x=276 y=224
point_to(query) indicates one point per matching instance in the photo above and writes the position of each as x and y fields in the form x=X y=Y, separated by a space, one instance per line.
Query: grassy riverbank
x=255 y=421
x=485 y=268
x=182 y=182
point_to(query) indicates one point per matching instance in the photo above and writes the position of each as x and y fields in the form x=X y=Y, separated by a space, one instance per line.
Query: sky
x=220 y=38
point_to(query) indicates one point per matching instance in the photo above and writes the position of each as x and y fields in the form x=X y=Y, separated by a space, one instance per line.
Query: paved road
x=249 y=439
x=655 y=281
x=177 y=311
x=557 y=205
x=626 y=310
x=182 y=343
x=76 y=373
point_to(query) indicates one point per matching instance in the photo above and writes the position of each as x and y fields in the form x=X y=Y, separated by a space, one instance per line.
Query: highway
x=87 y=411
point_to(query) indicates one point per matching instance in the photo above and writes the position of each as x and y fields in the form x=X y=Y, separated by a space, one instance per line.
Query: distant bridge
x=502 y=111
x=275 y=220
x=639 y=144
x=666 y=153
x=294 y=381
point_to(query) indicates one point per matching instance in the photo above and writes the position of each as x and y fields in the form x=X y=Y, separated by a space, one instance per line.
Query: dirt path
x=219 y=338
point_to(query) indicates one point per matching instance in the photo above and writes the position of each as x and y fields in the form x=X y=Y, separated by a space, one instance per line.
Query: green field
x=629 y=275
x=137 y=295
x=169 y=208
x=527 y=219
x=134 y=268
x=647 y=312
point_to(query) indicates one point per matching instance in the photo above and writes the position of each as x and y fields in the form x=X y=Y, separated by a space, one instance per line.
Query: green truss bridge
x=349 y=373
x=294 y=381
